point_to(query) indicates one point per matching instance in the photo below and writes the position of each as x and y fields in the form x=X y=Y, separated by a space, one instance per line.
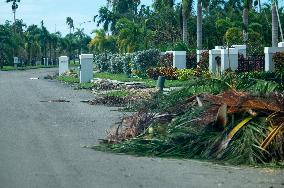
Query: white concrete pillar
x=199 y=54
x=213 y=56
x=219 y=47
x=269 y=52
x=63 y=64
x=242 y=49
x=86 y=67
x=16 y=61
x=179 y=59
x=281 y=44
x=229 y=59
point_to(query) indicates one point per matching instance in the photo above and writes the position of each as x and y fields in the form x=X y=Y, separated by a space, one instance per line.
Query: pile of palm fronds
x=237 y=127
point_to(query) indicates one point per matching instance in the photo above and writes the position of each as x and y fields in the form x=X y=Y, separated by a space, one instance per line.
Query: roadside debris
x=56 y=101
x=233 y=126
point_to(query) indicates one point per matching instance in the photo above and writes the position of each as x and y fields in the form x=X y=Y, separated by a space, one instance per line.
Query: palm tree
x=247 y=6
x=274 y=24
x=186 y=9
x=70 y=23
x=14 y=7
x=199 y=25
x=200 y=4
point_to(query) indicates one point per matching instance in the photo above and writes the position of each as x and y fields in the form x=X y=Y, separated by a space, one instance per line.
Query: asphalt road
x=41 y=145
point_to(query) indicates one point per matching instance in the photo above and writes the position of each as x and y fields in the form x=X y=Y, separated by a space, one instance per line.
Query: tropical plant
x=70 y=23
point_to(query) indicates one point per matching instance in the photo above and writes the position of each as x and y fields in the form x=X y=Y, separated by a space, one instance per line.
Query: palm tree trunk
x=199 y=25
x=259 y=5
x=274 y=27
x=184 y=29
x=245 y=22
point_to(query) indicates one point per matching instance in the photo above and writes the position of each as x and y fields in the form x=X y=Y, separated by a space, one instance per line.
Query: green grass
x=12 y=68
x=68 y=79
x=148 y=82
x=85 y=85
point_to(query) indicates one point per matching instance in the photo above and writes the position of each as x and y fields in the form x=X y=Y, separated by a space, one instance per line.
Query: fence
x=251 y=63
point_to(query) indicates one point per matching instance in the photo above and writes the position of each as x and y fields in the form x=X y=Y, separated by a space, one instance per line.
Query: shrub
x=180 y=46
x=166 y=60
x=278 y=60
x=191 y=60
x=127 y=58
x=185 y=74
x=102 y=62
x=116 y=64
x=203 y=64
x=169 y=72
x=144 y=60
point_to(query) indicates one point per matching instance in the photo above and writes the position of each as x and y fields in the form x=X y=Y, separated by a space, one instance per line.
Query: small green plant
x=185 y=74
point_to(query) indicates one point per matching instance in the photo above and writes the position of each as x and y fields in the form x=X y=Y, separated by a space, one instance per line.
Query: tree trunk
x=259 y=5
x=184 y=26
x=199 y=25
x=245 y=22
x=274 y=27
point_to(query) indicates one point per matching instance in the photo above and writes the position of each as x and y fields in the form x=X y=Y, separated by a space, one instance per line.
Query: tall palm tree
x=274 y=24
x=200 y=4
x=246 y=8
x=186 y=10
x=14 y=7
x=70 y=23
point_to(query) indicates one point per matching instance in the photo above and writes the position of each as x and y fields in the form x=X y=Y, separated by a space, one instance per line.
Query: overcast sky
x=54 y=12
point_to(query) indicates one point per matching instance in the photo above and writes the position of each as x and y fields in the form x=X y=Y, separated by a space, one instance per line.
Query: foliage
x=102 y=42
x=102 y=62
x=191 y=59
x=185 y=74
x=166 y=60
x=203 y=64
x=185 y=129
x=116 y=63
x=234 y=36
x=143 y=60
x=169 y=73
x=278 y=60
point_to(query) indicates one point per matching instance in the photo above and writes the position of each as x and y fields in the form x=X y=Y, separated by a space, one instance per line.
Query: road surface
x=41 y=145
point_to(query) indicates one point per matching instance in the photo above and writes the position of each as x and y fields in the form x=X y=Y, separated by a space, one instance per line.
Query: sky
x=55 y=12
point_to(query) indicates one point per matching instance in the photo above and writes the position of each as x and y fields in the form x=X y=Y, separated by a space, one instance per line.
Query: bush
x=191 y=60
x=185 y=74
x=116 y=64
x=166 y=60
x=127 y=58
x=169 y=72
x=180 y=46
x=102 y=62
x=278 y=60
x=144 y=60
x=136 y=63
x=203 y=64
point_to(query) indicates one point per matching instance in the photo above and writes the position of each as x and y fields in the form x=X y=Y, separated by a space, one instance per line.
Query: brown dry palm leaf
x=271 y=136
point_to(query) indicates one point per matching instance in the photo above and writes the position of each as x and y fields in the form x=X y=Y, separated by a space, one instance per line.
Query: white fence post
x=63 y=64
x=86 y=67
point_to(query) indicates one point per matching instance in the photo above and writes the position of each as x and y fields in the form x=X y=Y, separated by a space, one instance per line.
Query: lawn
x=12 y=68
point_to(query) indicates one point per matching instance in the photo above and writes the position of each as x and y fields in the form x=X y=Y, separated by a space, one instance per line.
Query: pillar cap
x=63 y=58
x=232 y=51
x=86 y=56
x=273 y=49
